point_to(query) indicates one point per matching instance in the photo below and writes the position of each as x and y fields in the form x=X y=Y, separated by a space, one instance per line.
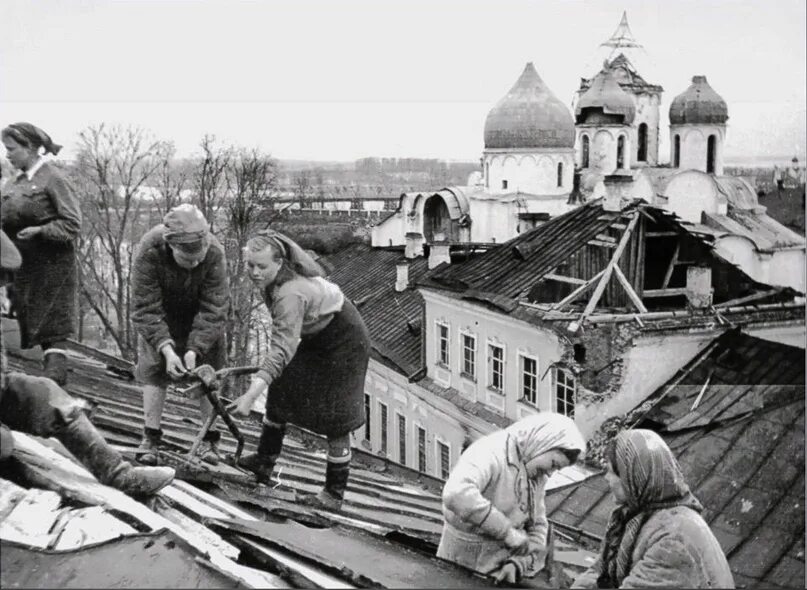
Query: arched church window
x=677 y=151
x=560 y=174
x=584 y=163
x=711 y=153
x=642 y=153
x=620 y=152
x=487 y=174
x=504 y=184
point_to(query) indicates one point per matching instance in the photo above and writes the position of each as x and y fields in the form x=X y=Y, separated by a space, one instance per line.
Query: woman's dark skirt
x=46 y=292
x=322 y=388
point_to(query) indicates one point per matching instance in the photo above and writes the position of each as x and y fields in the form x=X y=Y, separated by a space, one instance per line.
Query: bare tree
x=251 y=178
x=112 y=171
x=210 y=177
x=170 y=180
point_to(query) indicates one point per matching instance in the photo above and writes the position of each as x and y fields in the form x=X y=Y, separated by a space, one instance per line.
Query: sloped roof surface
x=367 y=277
x=605 y=93
x=698 y=104
x=746 y=468
x=763 y=230
x=502 y=272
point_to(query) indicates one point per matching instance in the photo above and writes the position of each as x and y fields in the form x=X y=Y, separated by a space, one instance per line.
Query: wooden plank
x=47 y=468
x=85 y=526
x=664 y=292
x=629 y=290
x=661 y=234
x=749 y=298
x=593 y=242
x=605 y=238
x=196 y=527
x=98 y=355
x=564 y=279
x=577 y=292
x=32 y=519
x=606 y=276
x=670 y=267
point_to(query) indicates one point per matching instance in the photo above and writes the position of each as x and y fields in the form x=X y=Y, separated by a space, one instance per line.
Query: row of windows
x=505 y=183
x=442 y=449
x=641 y=153
x=711 y=152
x=564 y=381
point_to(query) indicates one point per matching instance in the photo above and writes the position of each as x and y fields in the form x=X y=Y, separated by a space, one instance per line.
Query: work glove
x=190 y=360
x=517 y=542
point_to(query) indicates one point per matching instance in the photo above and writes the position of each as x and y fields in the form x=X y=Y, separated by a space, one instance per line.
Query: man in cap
x=180 y=300
x=37 y=405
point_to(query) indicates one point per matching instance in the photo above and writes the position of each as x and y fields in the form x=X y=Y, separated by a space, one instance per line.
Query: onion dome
x=529 y=116
x=606 y=95
x=698 y=104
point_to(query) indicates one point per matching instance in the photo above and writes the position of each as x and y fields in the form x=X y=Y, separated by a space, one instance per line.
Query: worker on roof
x=180 y=297
x=41 y=215
x=38 y=406
x=316 y=364
x=493 y=501
x=656 y=536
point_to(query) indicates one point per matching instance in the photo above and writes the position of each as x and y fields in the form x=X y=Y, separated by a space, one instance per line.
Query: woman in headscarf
x=316 y=364
x=180 y=296
x=41 y=214
x=493 y=500
x=656 y=537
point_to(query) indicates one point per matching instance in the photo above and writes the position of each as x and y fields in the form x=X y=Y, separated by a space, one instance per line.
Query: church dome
x=605 y=95
x=698 y=104
x=529 y=116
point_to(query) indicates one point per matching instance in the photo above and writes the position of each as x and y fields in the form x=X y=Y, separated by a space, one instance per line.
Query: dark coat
x=46 y=285
x=173 y=304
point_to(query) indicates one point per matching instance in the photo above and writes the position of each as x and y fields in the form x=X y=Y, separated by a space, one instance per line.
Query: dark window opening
x=677 y=151
x=620 y=152
x=401 y=439
x=642 y=151
x=711 y=153
x=421 y=449
x=560 y=174
x=445 y=459
x=584 y=163
x=367 y=413
x=580 y=353
x=383 y=412
x=504 y=184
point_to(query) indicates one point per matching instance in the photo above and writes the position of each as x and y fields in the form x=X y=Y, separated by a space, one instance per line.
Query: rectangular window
x=468 y=368
x=421 y=449
x=496 y=368
x=443 y=345
x=402 y=439
x=444 y=451
x=529 y=380
x=382 y=410
x=504 y=184
x=367 y=413
x=565 y=392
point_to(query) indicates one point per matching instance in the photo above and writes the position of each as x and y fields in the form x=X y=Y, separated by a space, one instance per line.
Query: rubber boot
x=262 y=462
x=81 y=438
x=336 y=476
x=55 y=365
x=147 y=451
x=209 y=449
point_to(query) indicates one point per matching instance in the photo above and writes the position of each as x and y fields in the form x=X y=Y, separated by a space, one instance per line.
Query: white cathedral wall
x=493 y=220
x=647 y=111
x=534 y=171
x=390 y=232
x=690 y=193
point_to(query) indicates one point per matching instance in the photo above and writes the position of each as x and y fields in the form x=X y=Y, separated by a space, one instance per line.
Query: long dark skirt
x=322 y=388
x=46 y=292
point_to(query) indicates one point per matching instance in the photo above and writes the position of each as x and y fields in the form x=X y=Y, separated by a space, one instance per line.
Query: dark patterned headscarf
x=31 y=136
x=653 y=481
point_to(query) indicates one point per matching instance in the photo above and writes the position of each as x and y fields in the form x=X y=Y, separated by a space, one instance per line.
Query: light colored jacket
x=674 y=549
x=489 y=491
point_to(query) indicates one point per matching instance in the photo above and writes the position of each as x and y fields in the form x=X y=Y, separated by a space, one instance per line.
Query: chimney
x=699 y=286
x=439 y=251
x=414 y=245
x=612 y=201
x=402 y=278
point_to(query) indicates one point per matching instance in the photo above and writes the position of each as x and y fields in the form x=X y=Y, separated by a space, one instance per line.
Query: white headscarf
x=537 y=434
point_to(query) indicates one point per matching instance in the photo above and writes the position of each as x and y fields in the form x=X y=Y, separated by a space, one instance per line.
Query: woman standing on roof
x=493 y=500
x=656 y=537
x=316 y=364
x=41 y=214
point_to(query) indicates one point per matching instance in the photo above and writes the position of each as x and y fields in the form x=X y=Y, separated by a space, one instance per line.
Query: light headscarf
x=298 y=259
x=652 y=480
x=537 y=434
x=32 y=136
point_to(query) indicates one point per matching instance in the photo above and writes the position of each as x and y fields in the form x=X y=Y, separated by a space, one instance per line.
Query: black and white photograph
x=403 y=293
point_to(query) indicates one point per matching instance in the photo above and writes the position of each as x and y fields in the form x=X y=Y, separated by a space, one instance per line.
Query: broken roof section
x=734 y=418
x=560 y=260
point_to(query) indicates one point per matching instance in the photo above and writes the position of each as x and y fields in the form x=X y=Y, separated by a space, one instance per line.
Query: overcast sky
x=338 y=80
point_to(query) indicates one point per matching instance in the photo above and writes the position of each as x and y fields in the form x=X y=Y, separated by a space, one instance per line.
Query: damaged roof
x=741 y=450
